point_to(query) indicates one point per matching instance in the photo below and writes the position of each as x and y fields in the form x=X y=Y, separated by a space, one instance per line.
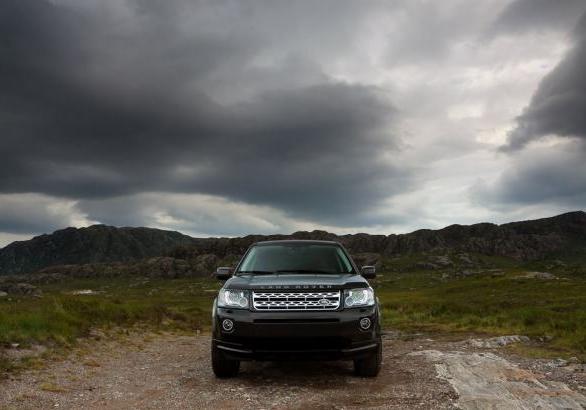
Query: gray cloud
x=427 y=32
x=23 y=214
x=223 y=117
x=558 y=106
x=199 y=215
x=530 y=16
x=88 y=119
x=552 y=175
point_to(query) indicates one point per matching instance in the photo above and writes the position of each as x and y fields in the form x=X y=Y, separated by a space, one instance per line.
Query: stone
x=496 y=342
x=443 y=261
x=539 y=275
x=464 y=259
x=84 y=292
x=465 y=273
x=20 y=289
x=426 y=266
x=559 y=362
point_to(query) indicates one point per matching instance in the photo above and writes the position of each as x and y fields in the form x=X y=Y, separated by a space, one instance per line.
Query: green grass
x=549 y=309
x=59 y=318
x=411 y=301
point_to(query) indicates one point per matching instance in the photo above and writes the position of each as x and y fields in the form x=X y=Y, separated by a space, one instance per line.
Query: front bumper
x=313 y=335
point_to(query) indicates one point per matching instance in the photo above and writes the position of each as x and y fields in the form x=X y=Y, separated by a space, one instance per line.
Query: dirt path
x=173 y=372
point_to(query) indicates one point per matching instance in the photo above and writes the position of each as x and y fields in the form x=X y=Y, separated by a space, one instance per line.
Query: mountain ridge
x=522 y=240
x=93 y=244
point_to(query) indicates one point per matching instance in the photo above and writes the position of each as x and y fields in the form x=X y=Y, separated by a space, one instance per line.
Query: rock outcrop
x=485 y=380
x=95 y=244
x=19 y=289
x=157 y=267
x=527 y=240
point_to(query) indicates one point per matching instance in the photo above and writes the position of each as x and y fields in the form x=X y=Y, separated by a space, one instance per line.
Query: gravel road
x=146 y=371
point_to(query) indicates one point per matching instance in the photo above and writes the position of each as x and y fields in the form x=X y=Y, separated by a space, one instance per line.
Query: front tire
x=222 y=366
x=370 y=365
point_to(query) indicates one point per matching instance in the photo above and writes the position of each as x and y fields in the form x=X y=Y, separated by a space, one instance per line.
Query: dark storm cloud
x=94 y=105
x=543 y=176
x=523 y=16
x=559 y=104
x=314 y=152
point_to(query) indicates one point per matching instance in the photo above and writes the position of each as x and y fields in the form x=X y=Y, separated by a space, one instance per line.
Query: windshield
x=296 y=258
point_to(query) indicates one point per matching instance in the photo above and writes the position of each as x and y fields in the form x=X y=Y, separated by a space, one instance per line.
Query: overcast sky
x=222 y=118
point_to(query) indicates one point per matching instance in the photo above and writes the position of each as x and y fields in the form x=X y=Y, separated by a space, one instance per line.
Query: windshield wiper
x=257 y=272
x=305 y=271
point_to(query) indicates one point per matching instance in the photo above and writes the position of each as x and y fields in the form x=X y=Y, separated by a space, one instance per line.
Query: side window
x=250 y=260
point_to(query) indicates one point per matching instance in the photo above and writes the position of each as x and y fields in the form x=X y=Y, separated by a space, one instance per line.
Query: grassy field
x=551 y=310
x=60 y=316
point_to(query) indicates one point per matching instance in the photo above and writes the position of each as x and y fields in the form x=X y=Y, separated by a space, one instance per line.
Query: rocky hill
x=171 y=253
x=94 y=244
x=527 y=240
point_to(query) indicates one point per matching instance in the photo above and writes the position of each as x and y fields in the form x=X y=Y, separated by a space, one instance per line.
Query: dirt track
x=172 y=372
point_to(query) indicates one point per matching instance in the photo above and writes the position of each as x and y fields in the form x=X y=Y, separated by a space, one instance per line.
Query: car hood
x=294 y=282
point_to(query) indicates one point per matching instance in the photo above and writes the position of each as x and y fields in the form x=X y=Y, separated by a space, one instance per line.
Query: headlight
x=358 y=297
x=233 y=298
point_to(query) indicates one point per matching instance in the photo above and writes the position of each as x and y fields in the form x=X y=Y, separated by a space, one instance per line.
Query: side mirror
x=369 y=272
x=223 y=273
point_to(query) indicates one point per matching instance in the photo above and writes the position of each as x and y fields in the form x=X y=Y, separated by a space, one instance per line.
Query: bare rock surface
x=488 y=381
x=539 y=275
x=20 y=289
x=496 y=342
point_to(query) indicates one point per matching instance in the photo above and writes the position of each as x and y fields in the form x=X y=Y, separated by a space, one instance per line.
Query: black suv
x=296 y=299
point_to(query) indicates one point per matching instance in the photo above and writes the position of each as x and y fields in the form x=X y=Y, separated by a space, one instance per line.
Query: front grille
x=296 y=300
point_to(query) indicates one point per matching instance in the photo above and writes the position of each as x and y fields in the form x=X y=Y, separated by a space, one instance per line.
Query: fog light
x=227 y=325
x=364 y=323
